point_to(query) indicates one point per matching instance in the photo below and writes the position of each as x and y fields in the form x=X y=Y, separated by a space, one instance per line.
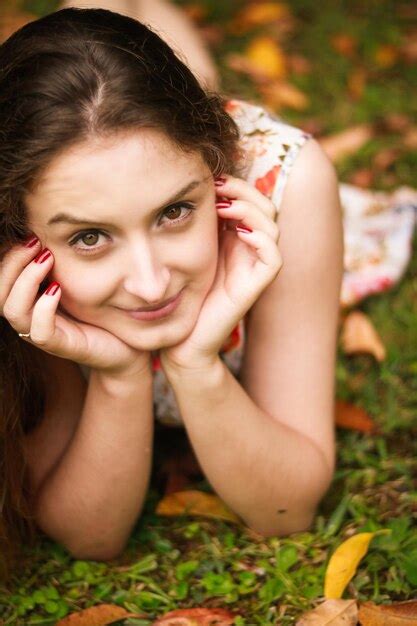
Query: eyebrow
x=60 y=218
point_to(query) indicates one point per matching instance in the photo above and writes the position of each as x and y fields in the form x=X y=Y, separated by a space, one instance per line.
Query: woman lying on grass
x=141 y=257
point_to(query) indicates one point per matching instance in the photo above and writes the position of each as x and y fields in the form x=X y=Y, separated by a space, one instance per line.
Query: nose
x=146 y=276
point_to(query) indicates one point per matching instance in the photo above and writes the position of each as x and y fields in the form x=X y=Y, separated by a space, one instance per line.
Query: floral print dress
x=378 y=229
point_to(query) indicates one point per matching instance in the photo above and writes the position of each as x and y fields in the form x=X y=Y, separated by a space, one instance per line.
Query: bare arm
x=267 y=445
x=92 y=497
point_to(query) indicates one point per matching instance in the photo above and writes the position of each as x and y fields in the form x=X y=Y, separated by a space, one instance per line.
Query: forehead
x=102 y=168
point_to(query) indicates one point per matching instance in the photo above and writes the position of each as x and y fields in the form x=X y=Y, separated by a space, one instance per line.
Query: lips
x=153 y=308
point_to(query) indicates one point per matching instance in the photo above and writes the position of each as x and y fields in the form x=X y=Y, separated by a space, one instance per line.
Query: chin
x=157 y=338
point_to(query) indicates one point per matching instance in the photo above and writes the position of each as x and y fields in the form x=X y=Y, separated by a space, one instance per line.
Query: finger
x=242 y=190
x=13 y=263
x=266 y=249
x=19 y=305
x=43 y=326
x=250 y=216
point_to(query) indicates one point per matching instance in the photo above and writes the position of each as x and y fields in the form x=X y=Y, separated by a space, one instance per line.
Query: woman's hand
x=22 y=269
x=247 y=264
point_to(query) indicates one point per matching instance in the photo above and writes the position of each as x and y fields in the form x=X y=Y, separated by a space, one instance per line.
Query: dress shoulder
x=268 y=145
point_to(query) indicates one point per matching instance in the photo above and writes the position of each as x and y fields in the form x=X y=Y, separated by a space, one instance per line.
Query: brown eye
x=90 y=239
x=174 y=212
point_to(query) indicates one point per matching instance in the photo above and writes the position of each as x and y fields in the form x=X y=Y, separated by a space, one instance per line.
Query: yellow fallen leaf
x=331 y=613
x=266 y=58
x=195 y=502
x=100 y=615
x=344 y=562
x=347 y=141
x=397 y=614
x=359 y=336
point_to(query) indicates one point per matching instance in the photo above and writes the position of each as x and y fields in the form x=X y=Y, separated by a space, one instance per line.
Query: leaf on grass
x=353 y=417
x=195 y=502
x=331 y=613
x=359 y=336
x=100 y=615
x=196 y=617
x=387 y=55
x=343 y=563
x=356 y=82
x=347 y=141
x=344 y=44
x=279 y=93
x=259 y=14
x=397 y=614
x=266 y=58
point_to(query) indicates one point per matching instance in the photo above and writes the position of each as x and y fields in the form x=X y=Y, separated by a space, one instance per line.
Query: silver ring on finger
x=24 y=334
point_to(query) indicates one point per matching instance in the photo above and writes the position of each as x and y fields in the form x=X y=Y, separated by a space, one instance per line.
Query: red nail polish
x=31 y=241
x=220 y=180
x=223 y=205
x=243 y=229
x=42 y=256
x=53 y=288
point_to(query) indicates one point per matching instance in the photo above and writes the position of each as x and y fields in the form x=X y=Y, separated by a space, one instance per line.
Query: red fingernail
x=223 y=205
x=243 y=229
x=42 y=256
x=219 y=181
x=30 y=241
x=52 y=289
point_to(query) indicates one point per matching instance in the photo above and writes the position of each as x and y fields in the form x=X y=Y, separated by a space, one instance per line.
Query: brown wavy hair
x=64 y=79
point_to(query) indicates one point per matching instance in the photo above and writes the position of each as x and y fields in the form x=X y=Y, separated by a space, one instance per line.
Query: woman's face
x=143 y=227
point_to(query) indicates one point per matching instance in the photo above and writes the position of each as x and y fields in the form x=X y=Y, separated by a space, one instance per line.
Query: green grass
x=184 y=562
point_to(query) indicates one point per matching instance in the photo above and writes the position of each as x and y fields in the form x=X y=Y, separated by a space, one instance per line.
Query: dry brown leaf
x=100 y=615
x=345 y=44
x=397 y=614
x=195 y=502
x=266 y=58
x=331 y=613
x=356 y=82
x=386 y=157
x=278 y=94
x=346 y=142
x=197 y=617
x=359 y=336
x=353 y=417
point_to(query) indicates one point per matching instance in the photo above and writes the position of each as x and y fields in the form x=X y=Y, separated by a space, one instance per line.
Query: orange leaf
x=360 y=336
x=282 y=94
x=357 y=82
x=397 y=614
x=347 y=141
x=344 y=44
x=260 y=14
x=387 y=55
x=100 y=615
x=353 y=417
x=266 y=183
x=331 y=612
x=266 y=58
x=195 y=502
x=196 y=617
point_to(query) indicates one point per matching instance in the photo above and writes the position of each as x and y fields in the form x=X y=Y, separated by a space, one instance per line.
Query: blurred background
x=344 y=71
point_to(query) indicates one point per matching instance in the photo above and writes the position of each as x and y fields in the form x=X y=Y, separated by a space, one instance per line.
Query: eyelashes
x=96 y=231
